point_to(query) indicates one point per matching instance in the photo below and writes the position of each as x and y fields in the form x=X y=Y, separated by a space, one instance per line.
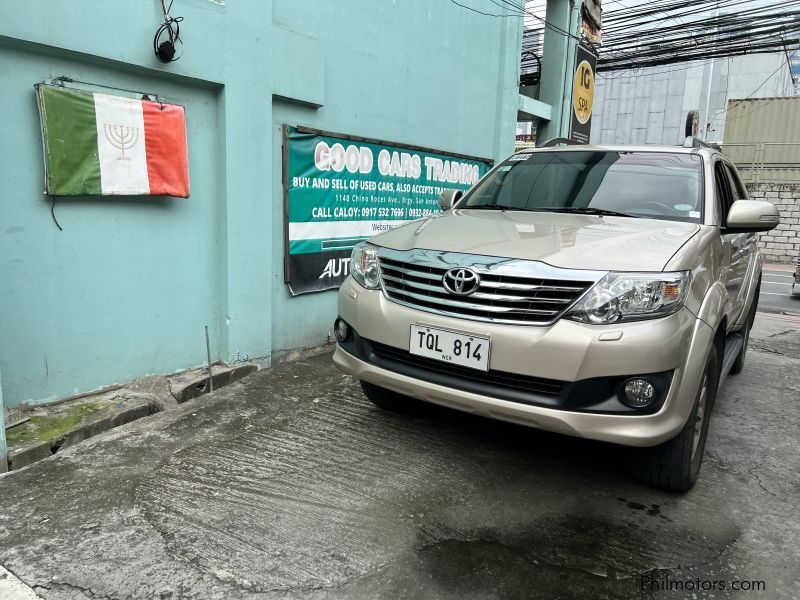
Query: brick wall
x=782 y=244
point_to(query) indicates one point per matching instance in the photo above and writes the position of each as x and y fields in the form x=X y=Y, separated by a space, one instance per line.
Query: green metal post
x=555 y=87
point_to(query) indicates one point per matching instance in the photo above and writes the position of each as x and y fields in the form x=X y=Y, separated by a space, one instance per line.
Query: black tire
x=675 y=464
x=738 y=364
x=389 y=400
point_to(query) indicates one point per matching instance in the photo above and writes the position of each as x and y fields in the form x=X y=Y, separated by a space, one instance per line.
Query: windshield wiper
x=490 y=207
x=502 y=207
x=588 y=210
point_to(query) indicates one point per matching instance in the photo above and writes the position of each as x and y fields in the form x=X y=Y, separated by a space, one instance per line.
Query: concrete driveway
x=290 y=484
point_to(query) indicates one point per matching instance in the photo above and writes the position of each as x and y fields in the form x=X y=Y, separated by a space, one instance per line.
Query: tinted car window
x=737 y=189
x=643 y=184
x=723 y=188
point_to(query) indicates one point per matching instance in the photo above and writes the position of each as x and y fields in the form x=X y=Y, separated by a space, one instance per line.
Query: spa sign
x=582 y=95
x=341 y=190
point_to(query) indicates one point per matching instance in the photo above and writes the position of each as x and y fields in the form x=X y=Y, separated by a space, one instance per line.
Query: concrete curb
x=133 y=409
x=788 y=267
x=195 y=383
x=780 y=317
x=122 y=404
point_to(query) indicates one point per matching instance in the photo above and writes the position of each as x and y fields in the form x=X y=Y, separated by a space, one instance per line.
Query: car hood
x=569 y=241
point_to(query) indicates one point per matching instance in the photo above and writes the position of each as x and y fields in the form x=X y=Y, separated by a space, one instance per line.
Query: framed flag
x=103 y=145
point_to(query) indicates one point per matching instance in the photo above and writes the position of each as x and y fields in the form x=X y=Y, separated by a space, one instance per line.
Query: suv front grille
x=499 y=298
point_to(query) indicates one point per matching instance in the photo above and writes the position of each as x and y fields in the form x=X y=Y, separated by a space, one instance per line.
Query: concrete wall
x=405 y=90
x=649 y=106
x=782 y=244
x=126 y=288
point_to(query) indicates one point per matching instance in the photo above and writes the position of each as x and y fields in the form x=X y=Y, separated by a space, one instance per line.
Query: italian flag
x=98 y=144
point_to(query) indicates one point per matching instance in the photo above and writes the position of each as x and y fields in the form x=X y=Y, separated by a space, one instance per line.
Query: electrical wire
x=665 y=32
x=751 y=94
x=53 y=212
x=165 y=49
x=517 y=11
x=480 y=12
x=524 y=11
x=631 y=40
x=643 y=71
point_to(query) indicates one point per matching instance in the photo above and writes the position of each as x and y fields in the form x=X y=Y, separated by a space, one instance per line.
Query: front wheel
x=675 y=464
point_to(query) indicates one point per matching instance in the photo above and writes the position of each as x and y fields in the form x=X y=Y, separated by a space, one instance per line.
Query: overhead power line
x=665 y=32
x=750 y=95
x=662 y=32
x=515 y=10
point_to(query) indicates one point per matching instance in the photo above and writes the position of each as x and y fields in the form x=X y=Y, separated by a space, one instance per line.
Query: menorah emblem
x=122 y=137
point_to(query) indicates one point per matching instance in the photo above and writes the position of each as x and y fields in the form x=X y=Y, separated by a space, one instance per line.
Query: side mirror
x=746 y=216
x=448 y=198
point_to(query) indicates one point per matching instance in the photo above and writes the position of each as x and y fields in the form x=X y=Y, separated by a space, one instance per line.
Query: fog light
x=638 y=392
x=341 y=330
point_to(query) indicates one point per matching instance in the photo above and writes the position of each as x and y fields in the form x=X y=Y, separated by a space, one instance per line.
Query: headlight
x=632 y=297
x=364 y=266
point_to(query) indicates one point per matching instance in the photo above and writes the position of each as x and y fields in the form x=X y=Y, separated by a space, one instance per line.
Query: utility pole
x=559 y=55
x=709 y=82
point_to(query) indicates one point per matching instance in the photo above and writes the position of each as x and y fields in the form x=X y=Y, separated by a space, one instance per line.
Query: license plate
x=448 y=346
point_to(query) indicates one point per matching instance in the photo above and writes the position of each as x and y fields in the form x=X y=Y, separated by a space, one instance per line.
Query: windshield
x=655 y=185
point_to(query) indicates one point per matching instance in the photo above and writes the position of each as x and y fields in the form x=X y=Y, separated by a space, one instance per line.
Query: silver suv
x=600 y=292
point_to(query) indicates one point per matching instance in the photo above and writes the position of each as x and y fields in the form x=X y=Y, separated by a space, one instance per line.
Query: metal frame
x=285 y=191
x=366 y=140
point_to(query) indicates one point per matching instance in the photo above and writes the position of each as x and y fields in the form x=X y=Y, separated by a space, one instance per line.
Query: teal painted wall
x=126 y=288
x=419 y=72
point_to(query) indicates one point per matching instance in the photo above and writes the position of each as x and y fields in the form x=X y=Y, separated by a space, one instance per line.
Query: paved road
x=288 y=484
x=776 y=293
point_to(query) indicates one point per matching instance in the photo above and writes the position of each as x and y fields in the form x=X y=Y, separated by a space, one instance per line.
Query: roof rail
x=559 y=142
x=693 y=142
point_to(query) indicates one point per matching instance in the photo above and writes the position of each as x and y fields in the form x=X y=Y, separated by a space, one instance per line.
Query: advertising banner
x=340 y=190
x=582 y=95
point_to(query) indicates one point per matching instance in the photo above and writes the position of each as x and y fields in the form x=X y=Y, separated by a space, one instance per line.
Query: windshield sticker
x=525 y=156
x=504 y=168
x=683 y=207
x=694 y=214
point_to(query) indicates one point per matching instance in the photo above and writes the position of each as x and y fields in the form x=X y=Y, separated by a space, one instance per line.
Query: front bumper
x=565 y=351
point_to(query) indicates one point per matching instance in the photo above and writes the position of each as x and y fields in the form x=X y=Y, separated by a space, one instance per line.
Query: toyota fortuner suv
x=599 y=292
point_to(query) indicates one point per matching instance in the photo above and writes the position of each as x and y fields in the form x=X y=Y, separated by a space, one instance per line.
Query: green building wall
x=128 y=285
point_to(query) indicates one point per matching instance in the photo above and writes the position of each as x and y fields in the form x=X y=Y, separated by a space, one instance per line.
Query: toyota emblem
x=461 y=282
